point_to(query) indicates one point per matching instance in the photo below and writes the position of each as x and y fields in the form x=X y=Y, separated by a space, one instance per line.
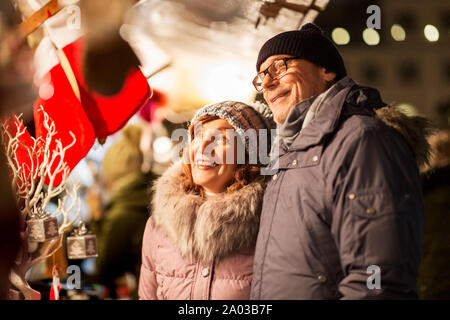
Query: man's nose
x=268 y=82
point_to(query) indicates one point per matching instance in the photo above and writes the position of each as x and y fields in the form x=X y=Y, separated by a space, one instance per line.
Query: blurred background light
x=224 y=80
x=340 y=36
x=162 y=147
x=371 y=37
x=407 y=108
x=398 y=33
x=431 y=33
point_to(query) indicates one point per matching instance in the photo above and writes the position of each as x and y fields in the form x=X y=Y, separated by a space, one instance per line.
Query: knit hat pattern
x=308 y=43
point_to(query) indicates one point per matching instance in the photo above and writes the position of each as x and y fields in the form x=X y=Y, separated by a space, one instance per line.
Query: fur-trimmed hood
x=206 y=229
x=415 y=129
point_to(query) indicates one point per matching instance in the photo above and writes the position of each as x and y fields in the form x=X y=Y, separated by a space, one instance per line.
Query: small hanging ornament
x=102 y=141
x=54 y=290
x=42 y=227
x=81 y=244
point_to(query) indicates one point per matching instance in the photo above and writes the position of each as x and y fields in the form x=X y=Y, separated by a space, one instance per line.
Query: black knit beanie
x=308 y=43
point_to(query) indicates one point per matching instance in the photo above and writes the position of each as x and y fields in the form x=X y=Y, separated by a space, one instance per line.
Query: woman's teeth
x=206 y=164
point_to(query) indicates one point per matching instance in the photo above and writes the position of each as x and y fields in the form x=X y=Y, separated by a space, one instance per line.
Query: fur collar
x=415 y=129
x=206 y=229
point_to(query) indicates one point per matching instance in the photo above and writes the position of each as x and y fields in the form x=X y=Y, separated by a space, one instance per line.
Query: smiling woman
x=199 y=242
x=208 y=153
x=211 y=164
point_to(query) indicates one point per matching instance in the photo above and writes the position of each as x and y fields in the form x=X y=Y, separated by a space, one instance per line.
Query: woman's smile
x=207 y=156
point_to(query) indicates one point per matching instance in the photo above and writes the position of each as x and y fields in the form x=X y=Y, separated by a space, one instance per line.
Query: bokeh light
x=431 y=33
x=162 y=145
x=398 y=33
x=340 y=36
x=371 y=37
x=407 y=109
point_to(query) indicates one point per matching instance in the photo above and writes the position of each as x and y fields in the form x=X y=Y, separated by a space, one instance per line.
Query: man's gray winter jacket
x=346 y=202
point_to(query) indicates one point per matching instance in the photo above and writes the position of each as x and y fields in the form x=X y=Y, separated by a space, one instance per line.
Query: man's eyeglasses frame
x=261 y=75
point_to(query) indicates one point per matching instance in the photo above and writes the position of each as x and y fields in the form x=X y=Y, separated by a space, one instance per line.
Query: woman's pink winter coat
x=196 y=248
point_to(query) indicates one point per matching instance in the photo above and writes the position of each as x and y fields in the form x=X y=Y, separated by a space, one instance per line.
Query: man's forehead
x=271 y=59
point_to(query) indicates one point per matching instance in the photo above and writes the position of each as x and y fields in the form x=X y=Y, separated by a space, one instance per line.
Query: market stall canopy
x=208 y=48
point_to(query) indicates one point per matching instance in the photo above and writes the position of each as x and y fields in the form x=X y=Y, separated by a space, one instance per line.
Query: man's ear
x=327 y=75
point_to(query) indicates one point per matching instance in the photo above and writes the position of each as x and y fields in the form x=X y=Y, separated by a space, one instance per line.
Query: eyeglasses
x=276 y=70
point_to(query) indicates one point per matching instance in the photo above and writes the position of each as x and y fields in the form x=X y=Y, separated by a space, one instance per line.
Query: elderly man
x=343 y=216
